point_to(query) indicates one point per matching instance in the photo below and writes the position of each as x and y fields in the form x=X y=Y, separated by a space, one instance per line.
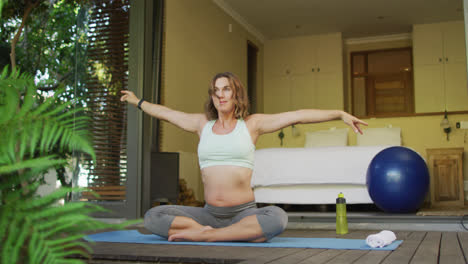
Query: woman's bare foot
x=191 y=235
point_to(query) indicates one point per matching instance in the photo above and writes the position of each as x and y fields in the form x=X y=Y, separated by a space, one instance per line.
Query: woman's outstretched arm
x=188 y=122
x=267 y=123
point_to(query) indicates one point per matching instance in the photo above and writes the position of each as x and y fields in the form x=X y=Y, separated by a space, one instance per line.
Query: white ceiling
x=273 y=19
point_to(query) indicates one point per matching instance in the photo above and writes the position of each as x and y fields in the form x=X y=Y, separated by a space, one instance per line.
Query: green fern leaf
x=68 y=218
x=58 y=110
x=23 y=143
x=20 y=239
x=11 y=141
x=55 y=196
x=50 y=136
x=46 y=200
x=30 y=227
x=45 y=132
x=10 y=99
x=14 y=74
x=26 y=193
x=59 y=242
x=83 y=245
x=8 y=244
x=68 y=207
x=6 y=214
x=36 y=129
x=77 y=120
x=28 y=100
x=49 y=257
x=69 y=115
x=82 y=144
x=34 y=247
x=4 y=74
x=71 y=245
x=57 y=136
x=47 y=161
x=49 y=102
x=67 y=227
x=63 y=140
x=9 y=180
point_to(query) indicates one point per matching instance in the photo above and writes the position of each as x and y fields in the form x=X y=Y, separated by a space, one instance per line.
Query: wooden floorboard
x=417 y=247
x=349 y=256
x=372 y=257
x=450 y=250
x=428 y=251
x=297 y=257
x=323 y=257
x=272 y=255
x=463 y=239
x=406 y=250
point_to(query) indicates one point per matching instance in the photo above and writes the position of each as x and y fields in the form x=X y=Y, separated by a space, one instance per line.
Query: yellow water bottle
x=341 y=221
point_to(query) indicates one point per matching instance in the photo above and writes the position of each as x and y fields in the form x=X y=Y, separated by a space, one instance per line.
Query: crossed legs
x=179 y=223
x=247 y=229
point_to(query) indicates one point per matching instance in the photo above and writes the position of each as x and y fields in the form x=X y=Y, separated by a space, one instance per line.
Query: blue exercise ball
x=397 y=180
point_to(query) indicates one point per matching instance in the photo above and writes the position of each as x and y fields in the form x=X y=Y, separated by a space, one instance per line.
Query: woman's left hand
x=353 y=122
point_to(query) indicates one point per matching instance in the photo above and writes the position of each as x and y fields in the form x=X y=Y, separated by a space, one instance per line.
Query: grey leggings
x=272 y=219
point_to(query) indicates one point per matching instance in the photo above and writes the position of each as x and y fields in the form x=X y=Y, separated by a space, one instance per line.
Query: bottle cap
x=340 y=199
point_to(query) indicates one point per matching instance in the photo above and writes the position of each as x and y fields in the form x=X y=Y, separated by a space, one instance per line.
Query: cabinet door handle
x=313 y=70
x=318 y=69
x=446 y=59
x=440 y=59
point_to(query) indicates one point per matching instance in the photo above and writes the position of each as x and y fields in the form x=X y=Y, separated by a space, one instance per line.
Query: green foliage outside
x=36 y=229
x=1 y=6
x=51 y=47
x=38 y=134
x=52 y=44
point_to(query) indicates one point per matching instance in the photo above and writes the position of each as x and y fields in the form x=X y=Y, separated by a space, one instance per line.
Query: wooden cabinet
x=446 y=171
x=440 y=67
x=304 y=72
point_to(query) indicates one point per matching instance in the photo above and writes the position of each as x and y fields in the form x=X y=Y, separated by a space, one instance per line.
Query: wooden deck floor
x=417 y=247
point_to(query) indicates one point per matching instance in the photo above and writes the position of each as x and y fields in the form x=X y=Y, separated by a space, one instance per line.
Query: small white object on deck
x=381 y=239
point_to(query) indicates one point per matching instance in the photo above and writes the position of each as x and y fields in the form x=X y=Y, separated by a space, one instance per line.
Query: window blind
x=107 y=69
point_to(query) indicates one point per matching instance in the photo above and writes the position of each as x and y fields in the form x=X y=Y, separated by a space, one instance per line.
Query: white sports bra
x=235 y=148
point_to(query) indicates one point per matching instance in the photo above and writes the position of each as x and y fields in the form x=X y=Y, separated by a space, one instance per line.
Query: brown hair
x=241 y=101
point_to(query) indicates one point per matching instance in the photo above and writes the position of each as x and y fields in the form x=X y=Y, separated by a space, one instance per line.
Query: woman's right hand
x=129 y=97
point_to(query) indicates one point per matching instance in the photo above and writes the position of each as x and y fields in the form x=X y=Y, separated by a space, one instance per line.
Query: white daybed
x=316 y=174
x=312 y=175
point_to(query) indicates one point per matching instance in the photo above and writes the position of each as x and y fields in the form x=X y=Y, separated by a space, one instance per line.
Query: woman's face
x=222 y=96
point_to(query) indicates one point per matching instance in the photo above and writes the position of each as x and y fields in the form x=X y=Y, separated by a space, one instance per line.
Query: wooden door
x=446 y=172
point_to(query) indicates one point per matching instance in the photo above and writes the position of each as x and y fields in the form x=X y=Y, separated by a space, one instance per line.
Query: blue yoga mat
x=133 y=236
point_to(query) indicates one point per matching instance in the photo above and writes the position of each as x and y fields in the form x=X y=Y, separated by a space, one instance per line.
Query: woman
x=226 y=149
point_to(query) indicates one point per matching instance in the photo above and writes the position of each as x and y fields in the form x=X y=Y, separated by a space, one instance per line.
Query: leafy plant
x=35 y=229
x=48 y=39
